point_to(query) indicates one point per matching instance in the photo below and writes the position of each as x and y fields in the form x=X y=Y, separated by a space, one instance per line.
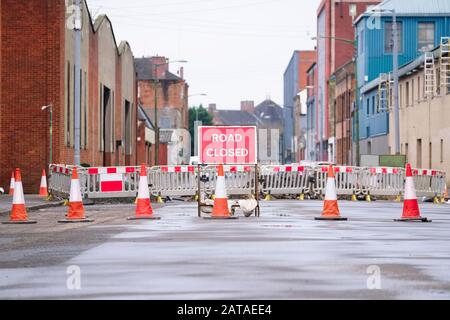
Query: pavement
x=32 y=202
x=284 y=254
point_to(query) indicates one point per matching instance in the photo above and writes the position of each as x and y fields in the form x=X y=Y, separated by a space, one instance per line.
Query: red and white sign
x=227 y=145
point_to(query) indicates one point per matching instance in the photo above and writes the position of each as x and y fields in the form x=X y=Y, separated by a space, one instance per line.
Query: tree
x=201 y=114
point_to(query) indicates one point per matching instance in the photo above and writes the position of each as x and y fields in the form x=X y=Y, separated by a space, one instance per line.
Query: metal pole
x=155 y=84
x=320 y=124
x=77 y=30
x=51 y=135
x=357 y=151
x=395 y=71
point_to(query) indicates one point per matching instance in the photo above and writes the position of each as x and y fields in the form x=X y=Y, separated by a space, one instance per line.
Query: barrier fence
x=287 y=180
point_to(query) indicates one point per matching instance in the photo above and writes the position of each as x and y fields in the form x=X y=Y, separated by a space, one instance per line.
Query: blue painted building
x=421 y=24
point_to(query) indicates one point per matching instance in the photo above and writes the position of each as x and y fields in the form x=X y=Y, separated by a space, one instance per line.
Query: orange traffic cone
x=330 y=207
x=76 y=209
x=11 y=185
x=411 y=210
x=144 y=210
x=18 y=212
x=43 y=192
x=220 y=208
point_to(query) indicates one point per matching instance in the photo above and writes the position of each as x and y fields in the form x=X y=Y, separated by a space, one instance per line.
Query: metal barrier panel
x=169 y=181
x=59 y=181
x=239 y=180
x=285 y=180
x=382 y=181
x=347 y=180
x=113 y=182
x=429 y=183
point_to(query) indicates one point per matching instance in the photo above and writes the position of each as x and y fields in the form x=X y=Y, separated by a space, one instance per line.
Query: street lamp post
x=155 y=85
x=50 y=111
x=395 y=70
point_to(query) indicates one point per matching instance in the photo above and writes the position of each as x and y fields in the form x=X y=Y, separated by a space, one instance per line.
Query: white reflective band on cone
x=221 y=193
x=43 y=182
x=75 y=191
x=330 y=191
x=143 y=192
x=18 y=193
x=410 y=192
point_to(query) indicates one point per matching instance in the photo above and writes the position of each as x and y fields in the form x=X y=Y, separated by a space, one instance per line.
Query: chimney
x=182 y=73
x=212 y=108
x=248 y=106
x=162 y=68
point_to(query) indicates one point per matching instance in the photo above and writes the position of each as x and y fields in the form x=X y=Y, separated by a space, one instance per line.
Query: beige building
x=425 y=113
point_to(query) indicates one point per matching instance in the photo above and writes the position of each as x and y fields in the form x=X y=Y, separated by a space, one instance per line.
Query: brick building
x=334 y=26
x=343 y=99
x=172 y=99
x=37 y=69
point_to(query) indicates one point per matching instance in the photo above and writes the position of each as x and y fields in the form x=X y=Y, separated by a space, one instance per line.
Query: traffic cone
x=11 y=185
x=18 y=212
x=76 y=212
x=411 y=210
x=220 y=208
x=445 y=196
x=144 y=209
x=330 y=207
x=43 y=192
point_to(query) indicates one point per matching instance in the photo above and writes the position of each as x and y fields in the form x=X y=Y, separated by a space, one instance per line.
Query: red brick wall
x=32 y=47
x=168 y=94
x=306 y=58
x=33 y=63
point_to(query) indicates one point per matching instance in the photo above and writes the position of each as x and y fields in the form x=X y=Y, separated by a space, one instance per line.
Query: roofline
x=403 y=70
x=402 y=15
x=95 y=26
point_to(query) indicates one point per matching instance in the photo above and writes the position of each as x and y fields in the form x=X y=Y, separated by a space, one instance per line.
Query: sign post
x=228 y=145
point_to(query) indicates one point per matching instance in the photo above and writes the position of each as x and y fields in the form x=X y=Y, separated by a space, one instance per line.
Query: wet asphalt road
x=284 y=254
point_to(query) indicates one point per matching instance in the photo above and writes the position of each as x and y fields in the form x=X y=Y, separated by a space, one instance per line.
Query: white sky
x=236 y=49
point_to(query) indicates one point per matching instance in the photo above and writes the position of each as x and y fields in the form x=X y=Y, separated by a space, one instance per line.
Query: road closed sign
x=227 y=145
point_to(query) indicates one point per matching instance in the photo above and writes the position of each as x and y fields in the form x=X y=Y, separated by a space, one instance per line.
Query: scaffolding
x=445 y=66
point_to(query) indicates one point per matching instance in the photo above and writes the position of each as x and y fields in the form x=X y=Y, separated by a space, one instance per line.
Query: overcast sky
x=236 y=49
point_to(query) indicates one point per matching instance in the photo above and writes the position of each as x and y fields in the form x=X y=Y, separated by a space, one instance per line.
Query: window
x=389 y=37
x=412 y=93
x=368 y=106
x=407 y=94
x=418 y=89
x=426 y=36
x=68 y=108
x=406 y=150
x=128 y=127
x=85 y=111
x=400 y=96
x=430 y=156
x=353 y=10
x=419 y=153
x=373 y=105
x=442 y=151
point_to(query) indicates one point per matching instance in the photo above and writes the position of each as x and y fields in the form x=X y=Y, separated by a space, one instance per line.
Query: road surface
x=284 y=254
